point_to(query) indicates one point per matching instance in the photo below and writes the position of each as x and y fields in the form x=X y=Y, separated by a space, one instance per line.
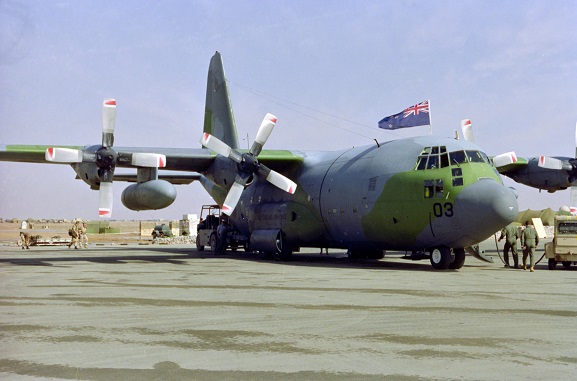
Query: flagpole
x=430 y=120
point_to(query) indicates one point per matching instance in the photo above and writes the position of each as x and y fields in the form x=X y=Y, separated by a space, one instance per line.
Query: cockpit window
x=438 y=157
x=433 y=162
x=432 y=158
x=458 y=157
x=475 y=157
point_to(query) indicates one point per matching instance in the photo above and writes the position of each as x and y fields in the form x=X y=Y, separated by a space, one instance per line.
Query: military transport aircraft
x=431 y=196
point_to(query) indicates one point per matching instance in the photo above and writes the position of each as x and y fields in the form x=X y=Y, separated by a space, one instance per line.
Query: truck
x=563 y=248
x=161 y=231
x=210 y=216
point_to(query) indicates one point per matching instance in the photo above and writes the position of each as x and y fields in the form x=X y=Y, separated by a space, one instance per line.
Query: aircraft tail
x=218 y=115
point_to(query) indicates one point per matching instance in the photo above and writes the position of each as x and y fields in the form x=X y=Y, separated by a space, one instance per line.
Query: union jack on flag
x=417 y=115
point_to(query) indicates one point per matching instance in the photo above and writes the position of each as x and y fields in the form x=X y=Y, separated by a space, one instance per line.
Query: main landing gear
x=443 y=258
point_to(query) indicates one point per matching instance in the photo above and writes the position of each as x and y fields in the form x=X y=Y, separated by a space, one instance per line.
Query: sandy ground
x=150 y=312
x=129 y=232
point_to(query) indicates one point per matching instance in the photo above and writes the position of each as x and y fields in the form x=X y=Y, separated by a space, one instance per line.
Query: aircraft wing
x=28 y=153
x=280 y=160
x=177 y=159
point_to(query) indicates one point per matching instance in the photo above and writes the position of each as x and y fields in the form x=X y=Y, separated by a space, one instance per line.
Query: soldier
x=25 y=239
x=511 y=235
x=529 y=241
x=221 y=237
x=74 y=232
x=83 y=236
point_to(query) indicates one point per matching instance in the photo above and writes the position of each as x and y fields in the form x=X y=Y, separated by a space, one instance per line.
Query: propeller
x=569 y=165
x=467 y=129
x=104 y=157
x=247 y=164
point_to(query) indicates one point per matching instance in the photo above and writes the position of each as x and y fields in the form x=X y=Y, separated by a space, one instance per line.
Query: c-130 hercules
x=428 y=195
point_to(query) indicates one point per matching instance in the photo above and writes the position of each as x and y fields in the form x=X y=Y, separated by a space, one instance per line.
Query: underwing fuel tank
x=150 y=195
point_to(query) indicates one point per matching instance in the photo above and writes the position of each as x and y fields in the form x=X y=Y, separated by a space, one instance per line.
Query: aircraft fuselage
x=381 y=198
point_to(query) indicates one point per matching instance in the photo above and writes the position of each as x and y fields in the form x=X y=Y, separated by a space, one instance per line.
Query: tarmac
x=168 y=312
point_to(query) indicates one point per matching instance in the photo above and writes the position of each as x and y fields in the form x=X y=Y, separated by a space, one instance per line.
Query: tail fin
x=218 y=116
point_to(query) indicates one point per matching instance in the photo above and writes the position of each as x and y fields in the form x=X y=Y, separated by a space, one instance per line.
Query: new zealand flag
x=417 y=115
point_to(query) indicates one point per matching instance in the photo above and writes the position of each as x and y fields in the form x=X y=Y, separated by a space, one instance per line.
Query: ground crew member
x=25 y=239
x=83 y=236
x=221 y=235
x=511 y=235
x=74 y=232
x=529 y=241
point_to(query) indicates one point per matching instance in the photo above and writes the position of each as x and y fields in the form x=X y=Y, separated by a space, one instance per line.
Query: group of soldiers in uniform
x=529 y=241
x=78 y=234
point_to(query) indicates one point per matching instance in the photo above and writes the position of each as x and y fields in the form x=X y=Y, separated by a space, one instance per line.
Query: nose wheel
x=443 y=258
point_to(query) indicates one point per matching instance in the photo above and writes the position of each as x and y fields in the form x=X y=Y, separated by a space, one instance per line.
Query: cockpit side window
x=475 y=157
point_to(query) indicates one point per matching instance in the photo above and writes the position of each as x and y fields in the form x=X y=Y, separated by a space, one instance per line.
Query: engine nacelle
x=150 y=195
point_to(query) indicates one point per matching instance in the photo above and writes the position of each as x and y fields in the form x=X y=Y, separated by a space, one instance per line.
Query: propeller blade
x=232 y=198
x=550 y=163
x=573 y=204
x=467 y=129
x=108 y=122
x=505 y=159
x=105 y=200
x=263 y=133
x=277 y=179
x=152 y=160
x=63 y=155
x=215 y=145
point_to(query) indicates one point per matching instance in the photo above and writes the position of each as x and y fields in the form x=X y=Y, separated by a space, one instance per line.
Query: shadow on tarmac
x=179 y=255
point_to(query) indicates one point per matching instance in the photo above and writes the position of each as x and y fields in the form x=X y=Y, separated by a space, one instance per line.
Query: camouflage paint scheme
x=363 y=199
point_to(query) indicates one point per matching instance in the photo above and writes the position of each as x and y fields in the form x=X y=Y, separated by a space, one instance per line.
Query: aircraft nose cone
x=485 y=207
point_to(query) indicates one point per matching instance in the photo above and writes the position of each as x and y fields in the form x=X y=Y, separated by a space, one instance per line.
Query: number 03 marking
x=440 y=210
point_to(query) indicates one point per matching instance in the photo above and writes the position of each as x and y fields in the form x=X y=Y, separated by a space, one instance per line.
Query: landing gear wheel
x=441 y=257
x=459 y=259
x=552 y=263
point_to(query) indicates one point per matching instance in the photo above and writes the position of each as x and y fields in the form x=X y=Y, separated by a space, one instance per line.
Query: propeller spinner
x=248 y=164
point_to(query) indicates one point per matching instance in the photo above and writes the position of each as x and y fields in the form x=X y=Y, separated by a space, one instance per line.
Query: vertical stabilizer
x=218 y=116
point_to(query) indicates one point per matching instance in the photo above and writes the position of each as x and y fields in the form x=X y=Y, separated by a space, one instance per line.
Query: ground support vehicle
x=161 y=231
x=563 y=248
x=206 y=231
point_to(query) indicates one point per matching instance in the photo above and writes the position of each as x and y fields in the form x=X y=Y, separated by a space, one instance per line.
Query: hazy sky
x=330 y=70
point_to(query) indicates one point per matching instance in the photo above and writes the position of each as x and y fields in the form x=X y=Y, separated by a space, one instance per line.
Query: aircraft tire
x=441 y=257
x=285 y=254
x=459 y=259
x=552 y=264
